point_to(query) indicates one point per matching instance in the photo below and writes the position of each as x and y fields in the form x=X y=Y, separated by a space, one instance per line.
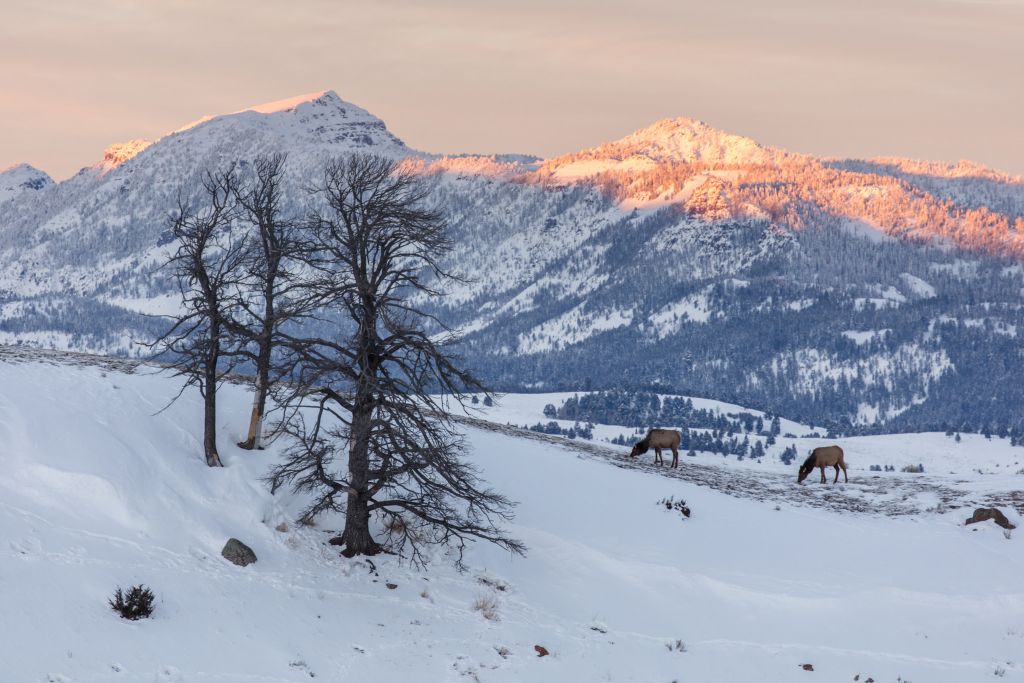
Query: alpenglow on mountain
x=851 y=294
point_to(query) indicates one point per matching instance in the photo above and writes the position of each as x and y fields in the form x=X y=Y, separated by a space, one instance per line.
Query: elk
x=824 y=456
x=658 y=439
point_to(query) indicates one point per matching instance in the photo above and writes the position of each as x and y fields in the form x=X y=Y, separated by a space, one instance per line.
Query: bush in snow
x=913 y=469
x=672 y=504
x=677 y=646
x=136 y=604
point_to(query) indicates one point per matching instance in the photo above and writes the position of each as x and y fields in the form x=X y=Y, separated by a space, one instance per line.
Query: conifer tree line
x=320 y=305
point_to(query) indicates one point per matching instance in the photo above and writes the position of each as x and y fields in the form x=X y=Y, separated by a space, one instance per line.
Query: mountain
x=854 y=294
x=22 y=178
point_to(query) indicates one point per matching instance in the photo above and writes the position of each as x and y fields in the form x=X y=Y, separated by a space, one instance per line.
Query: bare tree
x=370 y=394
x=274 y=296
x=208 y=269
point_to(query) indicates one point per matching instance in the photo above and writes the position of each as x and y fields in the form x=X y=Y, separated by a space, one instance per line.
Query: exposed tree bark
x=278 y=299
x=369 y=396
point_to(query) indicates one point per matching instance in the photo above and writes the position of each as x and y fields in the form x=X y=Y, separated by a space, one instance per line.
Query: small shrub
x=913 y=469
x=671 y=503
x=677 y=646
x=487 y=606
x=136 y=604
x=493 y=583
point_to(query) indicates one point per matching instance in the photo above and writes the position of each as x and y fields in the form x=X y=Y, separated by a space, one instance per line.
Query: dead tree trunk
x=210 y=399
x=357 y=538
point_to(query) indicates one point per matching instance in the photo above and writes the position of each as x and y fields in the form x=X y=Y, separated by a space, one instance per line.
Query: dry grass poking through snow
x=487 y=606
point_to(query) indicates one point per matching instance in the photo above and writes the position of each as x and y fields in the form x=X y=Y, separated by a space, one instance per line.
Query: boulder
x=985 y=514
x=238 y=553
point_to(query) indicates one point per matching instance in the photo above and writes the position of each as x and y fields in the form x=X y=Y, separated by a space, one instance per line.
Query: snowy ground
x=973 y=457
x=98 y=491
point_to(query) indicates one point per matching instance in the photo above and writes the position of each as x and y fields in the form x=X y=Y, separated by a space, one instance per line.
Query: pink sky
x=931 y=79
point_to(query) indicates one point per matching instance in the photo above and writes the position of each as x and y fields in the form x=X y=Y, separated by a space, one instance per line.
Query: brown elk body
x=824 y=456
x=658 y=439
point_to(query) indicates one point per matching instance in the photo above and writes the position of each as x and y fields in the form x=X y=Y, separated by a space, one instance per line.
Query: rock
x=807 y=667
x=391 y=586
x=541 y=650
x=238 y=553
x=985 y=514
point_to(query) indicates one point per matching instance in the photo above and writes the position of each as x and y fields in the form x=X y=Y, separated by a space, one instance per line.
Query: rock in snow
x=238 y=553
x=985 y=514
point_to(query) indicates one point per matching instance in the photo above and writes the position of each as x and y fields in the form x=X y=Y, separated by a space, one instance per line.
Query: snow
x=577 y=170
x=997 y=326
x=276 y=107
x=163 y=304
x=977 y=459
x=694 y=308
x=572 y=327
x=958 y=267
x=808 y=367
x=117 y=154
x=864 y=336
x=678 y=140
x=918 y=287
x=861 y=303
x=800 y=304
x=101 y=489
x=528 y=409
x=867 y=230
x=21 y=178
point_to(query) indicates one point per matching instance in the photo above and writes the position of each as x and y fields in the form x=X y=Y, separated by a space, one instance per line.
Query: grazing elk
x=824 y=456
x=658 y=439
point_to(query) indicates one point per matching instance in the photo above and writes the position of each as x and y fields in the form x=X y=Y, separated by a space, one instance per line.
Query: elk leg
x=846 y=477
x=657 y=456
x=823 y=479
x=675 y=457
x=837 y=474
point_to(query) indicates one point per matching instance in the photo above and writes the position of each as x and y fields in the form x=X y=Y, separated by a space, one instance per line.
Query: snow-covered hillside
x=101 y=489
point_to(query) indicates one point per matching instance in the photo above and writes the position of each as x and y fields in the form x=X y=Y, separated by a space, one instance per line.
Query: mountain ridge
x=723 y=268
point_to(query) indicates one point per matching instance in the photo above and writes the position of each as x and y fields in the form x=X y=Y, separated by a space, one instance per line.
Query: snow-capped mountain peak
x=688 y=140
x=671 y=140
x=321 y=117
x=119 y=153
x=21 y=178
x=323 y=98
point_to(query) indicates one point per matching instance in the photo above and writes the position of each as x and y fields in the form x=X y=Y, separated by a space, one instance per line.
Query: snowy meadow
x=102 y=489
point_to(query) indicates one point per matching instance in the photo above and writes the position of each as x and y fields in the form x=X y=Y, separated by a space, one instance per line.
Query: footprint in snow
x=170 y=673
x=27 y=547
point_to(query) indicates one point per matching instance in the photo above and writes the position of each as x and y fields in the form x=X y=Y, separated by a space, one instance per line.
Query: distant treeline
x=643 y=409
